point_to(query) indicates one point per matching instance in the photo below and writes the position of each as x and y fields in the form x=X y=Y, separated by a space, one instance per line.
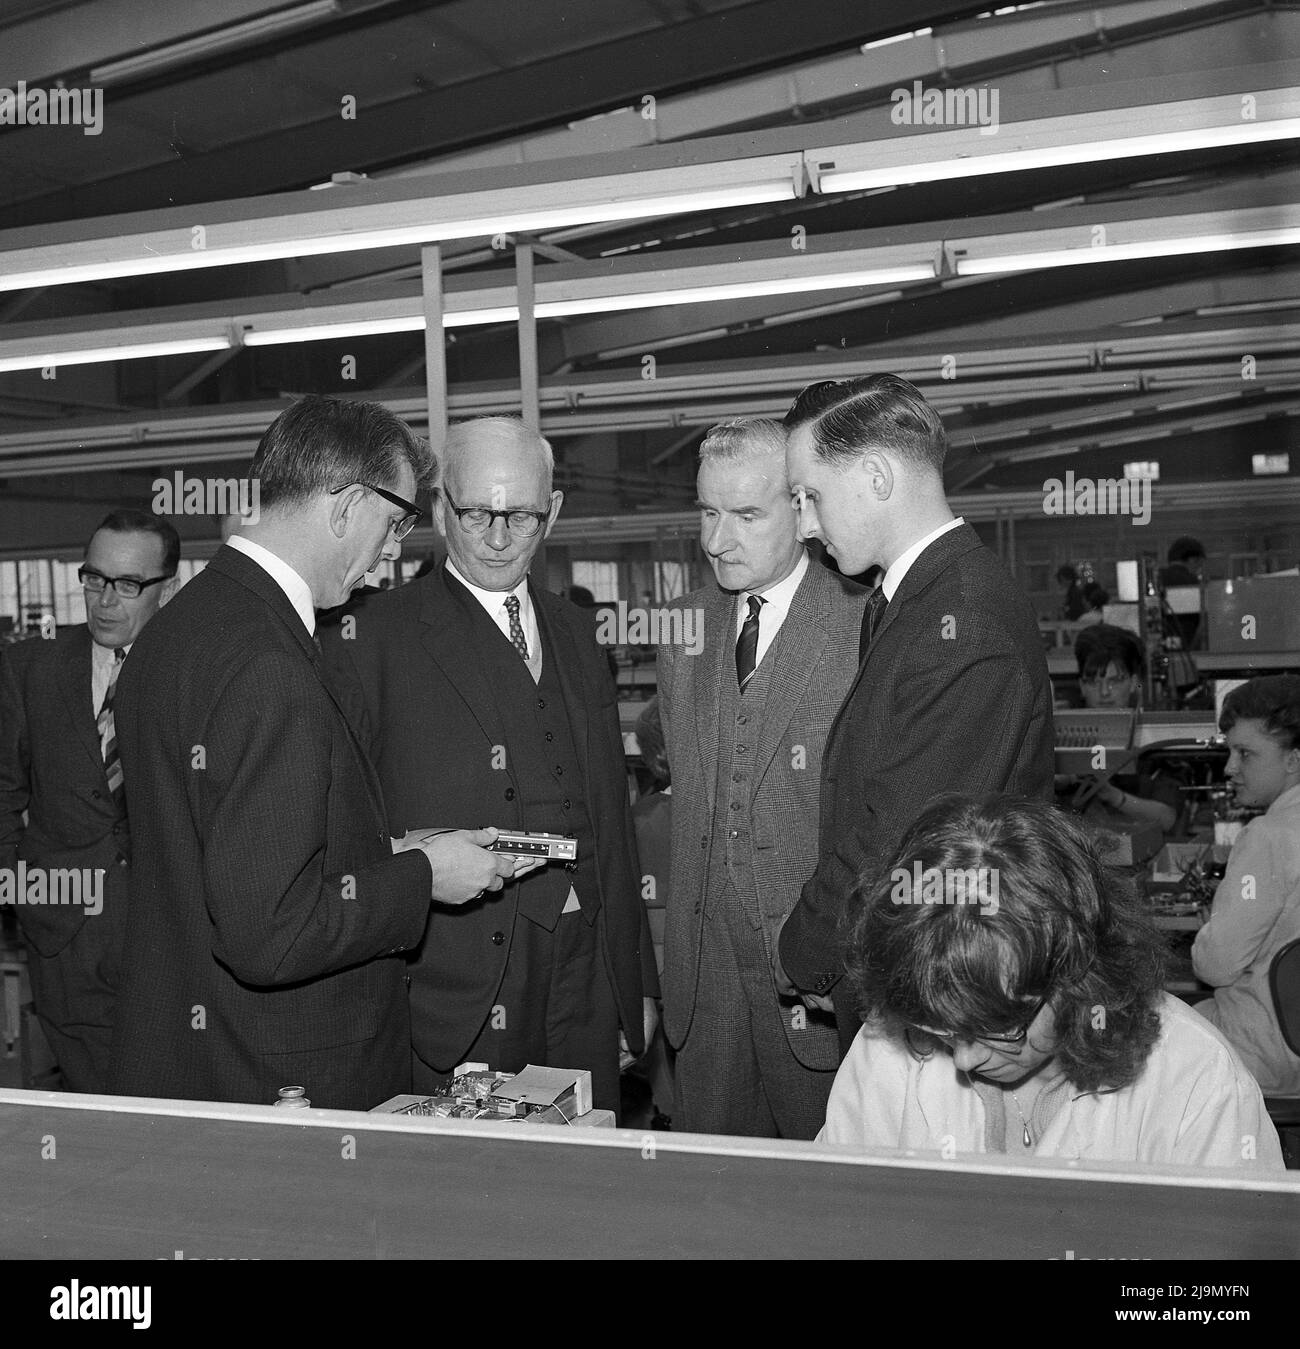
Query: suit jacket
x=951 y=696
x=268 y=912
x=52 y=768
x=814 y=660
x=405 y=665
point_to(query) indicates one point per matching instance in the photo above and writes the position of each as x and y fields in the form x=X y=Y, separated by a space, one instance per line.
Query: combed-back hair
x=1066 y=926
x=129 y=520
x=743 y=438
x=850 y=417
x=1272 y=699
x=464 y=437
x=318 y=444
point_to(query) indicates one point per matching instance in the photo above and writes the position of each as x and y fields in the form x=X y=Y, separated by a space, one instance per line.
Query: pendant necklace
x=1027 y=1138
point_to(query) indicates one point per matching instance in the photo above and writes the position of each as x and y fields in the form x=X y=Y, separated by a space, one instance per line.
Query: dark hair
x=650 y=736
x=128 y=520
x=1067 y=573
x=1094 y=596
x=1096 y=647
x=849 y=417
x=1066 y=926
x=1185 y=547
x=582 y=597
x=319 y=444
x=1272 y=699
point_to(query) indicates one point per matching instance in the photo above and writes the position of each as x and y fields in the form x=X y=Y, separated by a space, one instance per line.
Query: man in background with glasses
x=59 y=762
x=269 y=914
x=485 y=700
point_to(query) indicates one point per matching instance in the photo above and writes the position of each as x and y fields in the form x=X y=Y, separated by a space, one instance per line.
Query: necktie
x=871 y=616
x=747 y=643
x=108 y=734
x=516 y=628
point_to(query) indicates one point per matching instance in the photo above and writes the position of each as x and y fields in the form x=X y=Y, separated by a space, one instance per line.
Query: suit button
x=565 y=803
x=735 y=805
x=549 y=737
x=737 y=777
x=742 y=749
x=698 y=906
x=704 y=840
x=97 y=794
x=510 y=793
x=559 y=770
x=498 y=938
x=406 y=979
x=741 y=720
x=541 y=704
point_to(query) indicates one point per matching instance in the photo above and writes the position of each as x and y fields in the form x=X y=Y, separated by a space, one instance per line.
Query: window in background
x=671 y=581
x=601 y=578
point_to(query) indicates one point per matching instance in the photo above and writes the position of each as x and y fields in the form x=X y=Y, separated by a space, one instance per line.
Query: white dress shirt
x=903 y=564
x=494 y=602
x=776 y=604
x=295 y=588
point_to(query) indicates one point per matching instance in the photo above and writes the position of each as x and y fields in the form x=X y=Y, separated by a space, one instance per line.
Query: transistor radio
x=551 y=847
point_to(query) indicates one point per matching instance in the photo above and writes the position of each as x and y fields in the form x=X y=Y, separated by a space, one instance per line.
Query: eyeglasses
x=993 y=1041
x=128 y=587
x=478 y=519
x=401 y=528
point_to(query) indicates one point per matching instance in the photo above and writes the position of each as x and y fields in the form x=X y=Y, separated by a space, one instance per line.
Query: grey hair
x=509 y=431
x=743 y=438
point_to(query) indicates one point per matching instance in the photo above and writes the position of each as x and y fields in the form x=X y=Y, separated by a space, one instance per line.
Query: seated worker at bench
x=1018 y=1009
x=1111 y=666
x=1256 y=909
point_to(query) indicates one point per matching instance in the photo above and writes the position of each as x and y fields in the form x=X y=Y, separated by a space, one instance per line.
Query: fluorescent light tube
x=1149 y=248
x=126 y=352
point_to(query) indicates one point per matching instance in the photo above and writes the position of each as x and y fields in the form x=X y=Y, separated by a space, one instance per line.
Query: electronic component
x=552 y=847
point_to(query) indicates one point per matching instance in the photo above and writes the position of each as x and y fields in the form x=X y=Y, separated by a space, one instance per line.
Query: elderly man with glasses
x=485 y=700
x=59 y=763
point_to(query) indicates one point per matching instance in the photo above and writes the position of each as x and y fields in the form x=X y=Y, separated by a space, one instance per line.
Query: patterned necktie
x=747 y=643
x=108 y=734
x=516 y=628
x=871 y=616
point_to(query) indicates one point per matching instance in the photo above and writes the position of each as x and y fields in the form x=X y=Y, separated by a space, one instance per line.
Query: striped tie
x=747 y=643
x=877 y=602
x=516 y=628
x=108 y=735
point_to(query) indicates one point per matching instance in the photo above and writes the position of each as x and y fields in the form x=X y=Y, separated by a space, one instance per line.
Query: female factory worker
x=1111 y=664
x=1013 y=1004
x=1257 y=904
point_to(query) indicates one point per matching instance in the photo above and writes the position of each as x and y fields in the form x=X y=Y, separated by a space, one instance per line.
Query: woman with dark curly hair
x=1013 y=1003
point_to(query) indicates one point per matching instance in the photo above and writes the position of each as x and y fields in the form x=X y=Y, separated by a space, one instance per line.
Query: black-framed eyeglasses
x=479 y=519
x=128 y=587
x=401 y=528
x=993 y=1041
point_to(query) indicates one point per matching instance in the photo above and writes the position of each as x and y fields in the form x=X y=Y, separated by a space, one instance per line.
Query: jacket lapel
x=708 y=669
x=75 y=685
x=794 y=656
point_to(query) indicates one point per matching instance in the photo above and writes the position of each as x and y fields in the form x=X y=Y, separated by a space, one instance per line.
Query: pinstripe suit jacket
x=814 y=661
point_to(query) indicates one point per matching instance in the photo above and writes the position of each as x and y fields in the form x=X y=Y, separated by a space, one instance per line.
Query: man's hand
x=650 y=1023
x=787 y=988
x=463 y=868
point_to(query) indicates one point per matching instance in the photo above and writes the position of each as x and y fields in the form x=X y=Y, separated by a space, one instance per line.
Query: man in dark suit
x=59 y=762
x=268 y=911
x=486 y=700
x=952 y=693
x=746 y=710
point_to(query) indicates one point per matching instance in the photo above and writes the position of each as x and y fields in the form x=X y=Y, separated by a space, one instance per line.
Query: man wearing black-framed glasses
x=487 y=700
x=277 y=906
x=59 y=763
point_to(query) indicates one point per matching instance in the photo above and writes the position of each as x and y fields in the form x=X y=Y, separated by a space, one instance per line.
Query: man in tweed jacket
x=746 y=714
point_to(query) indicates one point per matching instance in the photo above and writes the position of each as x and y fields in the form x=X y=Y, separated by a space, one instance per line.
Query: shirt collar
x=777 y=599
x=491 y=600
x=902 y=565
x=295 y=588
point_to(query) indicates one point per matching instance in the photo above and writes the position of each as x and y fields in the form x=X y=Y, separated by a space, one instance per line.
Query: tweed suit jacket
x=951 y=696
x=52 y=767
x=406 y=668
x=268 y=912
x=813 y=662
